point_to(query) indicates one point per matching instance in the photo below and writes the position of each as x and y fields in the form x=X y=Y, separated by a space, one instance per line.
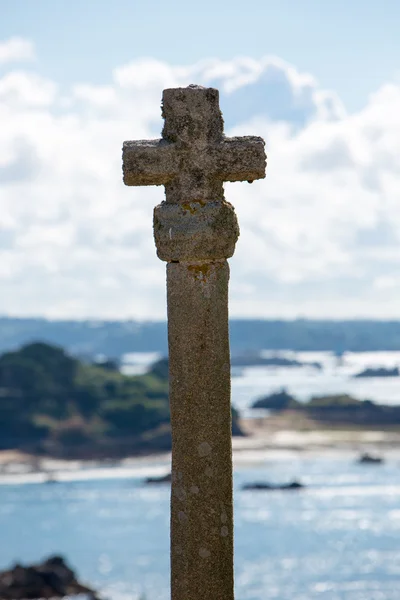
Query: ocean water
x=335 y=377
x=338 y=539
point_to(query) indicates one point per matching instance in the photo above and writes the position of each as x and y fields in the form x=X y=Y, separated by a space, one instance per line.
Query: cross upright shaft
x=195 y=231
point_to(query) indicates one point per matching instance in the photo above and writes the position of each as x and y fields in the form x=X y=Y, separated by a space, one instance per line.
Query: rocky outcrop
x=370 y=459
x=380 y=372
x=49 y=579
x=277 y=401
x=257 y=360
x=157 y=480
x=260 y=486
x=339 y=410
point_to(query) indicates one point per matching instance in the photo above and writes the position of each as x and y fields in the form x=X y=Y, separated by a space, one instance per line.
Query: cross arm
x=148 y=162
x=240 y=159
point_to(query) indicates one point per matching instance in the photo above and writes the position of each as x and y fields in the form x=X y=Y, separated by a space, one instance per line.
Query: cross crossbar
x=193 y=158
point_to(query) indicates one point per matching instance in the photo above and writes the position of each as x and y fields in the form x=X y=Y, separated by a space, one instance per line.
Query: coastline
x=268 y=438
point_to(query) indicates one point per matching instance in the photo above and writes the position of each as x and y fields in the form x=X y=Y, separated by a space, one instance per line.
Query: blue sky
x=349 y=46
x=320 y=236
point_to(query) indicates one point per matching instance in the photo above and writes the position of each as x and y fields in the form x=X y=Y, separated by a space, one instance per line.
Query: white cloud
x=16 y=49
x=19 y=90
x=319 y=236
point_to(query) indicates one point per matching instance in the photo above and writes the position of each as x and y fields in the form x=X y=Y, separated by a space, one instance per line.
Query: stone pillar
x=196 y=239
x=201 y=494
x=195 y=232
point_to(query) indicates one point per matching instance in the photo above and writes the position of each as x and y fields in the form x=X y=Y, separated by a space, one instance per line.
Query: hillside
x=54 y=404
x=115 y=338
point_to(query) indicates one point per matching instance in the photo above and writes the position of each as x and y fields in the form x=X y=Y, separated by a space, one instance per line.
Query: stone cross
x=195 y=231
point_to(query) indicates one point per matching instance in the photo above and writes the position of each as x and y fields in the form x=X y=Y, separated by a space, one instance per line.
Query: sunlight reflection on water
x=336 y=539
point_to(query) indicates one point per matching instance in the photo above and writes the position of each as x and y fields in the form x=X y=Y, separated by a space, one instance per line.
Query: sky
x=320 y=81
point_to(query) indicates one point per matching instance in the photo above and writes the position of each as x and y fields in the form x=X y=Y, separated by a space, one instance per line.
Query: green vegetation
x=335 y=401
x=52 y=403
x=277 y=401
x=338 y=409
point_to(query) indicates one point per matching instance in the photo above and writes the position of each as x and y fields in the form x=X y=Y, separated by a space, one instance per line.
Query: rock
x=276 y=401
x=49 y=579
x=237 y=431
x=369 y=459
x=256 y=360
x=156 y=480
x=294 y=485
x=380 y=372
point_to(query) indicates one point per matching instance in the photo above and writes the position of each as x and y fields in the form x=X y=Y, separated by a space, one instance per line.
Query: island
x=251 y=359
x=280 y=400
x=378 y=372
x=333 y=410
x=53 y=404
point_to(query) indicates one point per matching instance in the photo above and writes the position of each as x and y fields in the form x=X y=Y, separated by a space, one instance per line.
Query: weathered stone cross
x=195 y=231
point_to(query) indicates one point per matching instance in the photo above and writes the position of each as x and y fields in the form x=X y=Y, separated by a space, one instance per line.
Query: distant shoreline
x=290 y=430
x=114 y=338
x=271 y=438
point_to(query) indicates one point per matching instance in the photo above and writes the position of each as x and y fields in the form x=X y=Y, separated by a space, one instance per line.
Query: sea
x=337 y=539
